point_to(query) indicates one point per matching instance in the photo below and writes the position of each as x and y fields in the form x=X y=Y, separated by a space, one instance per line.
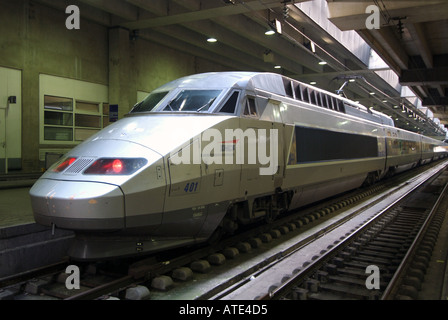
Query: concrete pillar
x=31 y=67
x=30 y=117
x=121 y=76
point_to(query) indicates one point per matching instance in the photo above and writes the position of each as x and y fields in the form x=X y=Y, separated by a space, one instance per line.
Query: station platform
x=25 y=245
x=15 y=207
x=15 y=202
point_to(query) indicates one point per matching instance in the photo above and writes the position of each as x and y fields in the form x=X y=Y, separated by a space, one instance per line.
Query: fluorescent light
x=278 y=26
x=313 y=82
x=277 y=67
x=212 y=39
x=269 y=32
x=322 y=63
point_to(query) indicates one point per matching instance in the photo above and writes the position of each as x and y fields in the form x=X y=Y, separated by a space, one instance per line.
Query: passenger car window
x=312 y=96
x=324 y=101
x=331 y=103
x=298 y=92
x=288 y=88
x=318 y=99
x=305 y=96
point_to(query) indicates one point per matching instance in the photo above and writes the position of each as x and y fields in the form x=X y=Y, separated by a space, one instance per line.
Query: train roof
x=275 y=84
x=210 y=80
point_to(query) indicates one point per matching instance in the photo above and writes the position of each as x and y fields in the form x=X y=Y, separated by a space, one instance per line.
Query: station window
x=106 y=121
x=68 y=120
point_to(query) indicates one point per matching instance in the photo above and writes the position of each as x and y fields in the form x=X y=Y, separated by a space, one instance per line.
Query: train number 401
x=191 y=187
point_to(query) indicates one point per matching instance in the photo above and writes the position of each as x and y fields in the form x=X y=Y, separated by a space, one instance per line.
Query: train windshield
x=185 y=100
x=192 y=100
x=150 y=102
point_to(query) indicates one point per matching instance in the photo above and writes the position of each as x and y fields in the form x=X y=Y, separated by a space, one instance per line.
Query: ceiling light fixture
x=322 y=63
x=275 y=26
x=278 y=26
x=211 y=40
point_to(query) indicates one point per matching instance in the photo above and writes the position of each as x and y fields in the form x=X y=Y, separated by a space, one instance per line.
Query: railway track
x=236 y=264
x=376 y=255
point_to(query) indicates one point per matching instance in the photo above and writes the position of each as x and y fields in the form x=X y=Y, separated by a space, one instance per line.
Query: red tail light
x=116 y=166
x=64 y=165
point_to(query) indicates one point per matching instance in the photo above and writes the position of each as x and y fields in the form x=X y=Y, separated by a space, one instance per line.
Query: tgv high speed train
x=206 y=153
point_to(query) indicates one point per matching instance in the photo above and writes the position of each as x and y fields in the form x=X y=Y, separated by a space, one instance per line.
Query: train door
x=279 y=128
x=263 y=164
x=10 y=119
x=182 y=214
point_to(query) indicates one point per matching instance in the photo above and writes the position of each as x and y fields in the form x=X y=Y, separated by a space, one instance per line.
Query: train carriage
x=206 y=153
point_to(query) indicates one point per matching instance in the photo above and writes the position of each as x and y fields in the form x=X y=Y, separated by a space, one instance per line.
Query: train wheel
x=270 y=216
x=372 y=177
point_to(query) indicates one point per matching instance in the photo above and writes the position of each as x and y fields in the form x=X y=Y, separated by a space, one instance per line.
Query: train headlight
x=124 y=166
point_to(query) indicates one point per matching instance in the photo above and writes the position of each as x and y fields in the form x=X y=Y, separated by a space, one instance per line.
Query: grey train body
x=124 y=191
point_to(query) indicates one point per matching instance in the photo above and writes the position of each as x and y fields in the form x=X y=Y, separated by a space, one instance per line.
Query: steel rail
x=35 y=273
x=104 y=289
x=307 y=270
x=390 y=291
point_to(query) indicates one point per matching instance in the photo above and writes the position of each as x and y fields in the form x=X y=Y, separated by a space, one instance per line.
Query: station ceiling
x=412 y=39
x=417 y=55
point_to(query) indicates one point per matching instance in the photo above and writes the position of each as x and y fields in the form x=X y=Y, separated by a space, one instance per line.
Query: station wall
x=35 y=43
x=10 y=119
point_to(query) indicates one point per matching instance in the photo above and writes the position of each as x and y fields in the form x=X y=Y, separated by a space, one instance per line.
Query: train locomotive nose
x=86 y=191
x=78 y=205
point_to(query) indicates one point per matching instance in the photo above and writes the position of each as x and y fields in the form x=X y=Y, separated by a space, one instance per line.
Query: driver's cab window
x=231 y=103
x=250 y=108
